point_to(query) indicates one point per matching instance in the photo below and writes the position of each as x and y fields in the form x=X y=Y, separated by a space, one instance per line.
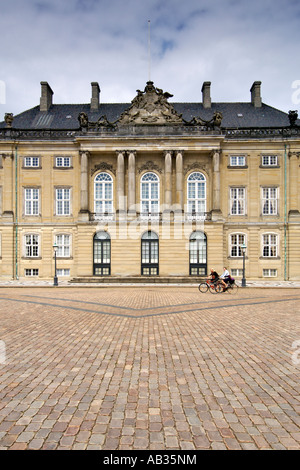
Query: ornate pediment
x=150 y=107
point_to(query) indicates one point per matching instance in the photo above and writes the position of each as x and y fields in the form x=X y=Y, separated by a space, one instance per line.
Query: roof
x=235 y=115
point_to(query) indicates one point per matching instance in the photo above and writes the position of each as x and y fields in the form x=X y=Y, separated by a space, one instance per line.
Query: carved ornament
x=150 y=166
x=103 y=166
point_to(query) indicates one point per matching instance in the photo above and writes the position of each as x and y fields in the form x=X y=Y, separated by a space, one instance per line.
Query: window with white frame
x=270 y=245
x=63 y=201
x=31 y=246
x=269 y=272
x=63 y=241
x=31 y=201
x=196 y=193
x=63 y=162
x=150 y=193
x=237 y=160
x=236 y=242
x=31 y=162
x=63 y=272
x=269 y=160
x=270 y=201
x=31 y=272
x=238 y=201
x=236 y=272
x=103 y=193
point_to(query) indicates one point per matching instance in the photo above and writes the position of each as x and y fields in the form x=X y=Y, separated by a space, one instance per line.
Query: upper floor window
x=269 y=201
x=103 y=191
x=269 y=160
x=196 y=193
x=237 y=160
x=31 y=162
x=238 y=201
x=150 y=193
x=31 y=201
x=63 y=162
x=63 y=201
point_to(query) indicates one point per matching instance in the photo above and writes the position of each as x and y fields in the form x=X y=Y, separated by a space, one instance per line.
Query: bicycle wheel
x=233 y=289
x=203 y=287
x=214 y=288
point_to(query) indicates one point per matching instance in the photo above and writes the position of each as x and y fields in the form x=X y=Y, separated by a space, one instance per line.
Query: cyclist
x=224 y=278
x=214 y=276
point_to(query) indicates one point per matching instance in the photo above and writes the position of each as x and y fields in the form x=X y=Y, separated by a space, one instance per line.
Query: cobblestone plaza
x=156 y=368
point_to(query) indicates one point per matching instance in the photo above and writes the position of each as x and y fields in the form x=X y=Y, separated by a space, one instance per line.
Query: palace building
x=150 y=190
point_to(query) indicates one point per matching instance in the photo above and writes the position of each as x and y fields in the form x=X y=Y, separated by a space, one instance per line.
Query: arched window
x=196 y=193
x=103 y=193
x=198 y=251
x=149 y=261
x=101 y=254
x=149 y=193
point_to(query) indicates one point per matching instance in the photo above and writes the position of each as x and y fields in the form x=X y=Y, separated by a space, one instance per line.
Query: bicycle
x=213 y=287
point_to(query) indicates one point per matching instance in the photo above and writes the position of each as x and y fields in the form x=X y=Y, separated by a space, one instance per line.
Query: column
x=121 y=205
x=168 y=179
x=216 y=180
x=84 y=192
x=179 y=179
x=293 y=186
x=8 y=185
x=131 y=181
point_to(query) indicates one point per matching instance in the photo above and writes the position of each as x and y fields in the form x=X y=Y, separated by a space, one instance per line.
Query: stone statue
x=8 y=118
x=83 y=119
x=293 y=116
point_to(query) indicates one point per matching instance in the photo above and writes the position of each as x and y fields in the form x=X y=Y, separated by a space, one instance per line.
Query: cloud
x=70 y=44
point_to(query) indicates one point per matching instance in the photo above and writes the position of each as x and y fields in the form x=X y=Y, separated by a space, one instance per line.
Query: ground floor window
x=198 y=254
x=269 y=272
x=31 y=272
x=149 y=261
x=101 y=254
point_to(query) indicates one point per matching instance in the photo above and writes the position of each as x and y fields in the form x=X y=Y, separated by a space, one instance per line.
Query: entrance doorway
x=101 y=254
x=198 y=254
x=149 y=265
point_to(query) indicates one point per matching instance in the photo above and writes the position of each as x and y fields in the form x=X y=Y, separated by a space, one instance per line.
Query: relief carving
x=150 y=166
x=103 y=166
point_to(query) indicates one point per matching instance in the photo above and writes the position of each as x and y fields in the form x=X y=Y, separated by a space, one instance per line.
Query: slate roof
x=235 y=115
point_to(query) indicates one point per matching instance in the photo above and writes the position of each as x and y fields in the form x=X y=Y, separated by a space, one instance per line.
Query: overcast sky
x=71 y=43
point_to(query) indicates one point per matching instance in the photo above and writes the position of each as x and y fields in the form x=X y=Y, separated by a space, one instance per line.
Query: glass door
x=101 y=254
x=149 y=262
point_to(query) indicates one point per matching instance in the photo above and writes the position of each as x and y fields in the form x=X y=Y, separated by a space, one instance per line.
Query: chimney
x=206 y=95
x=95 y=101
x=256 y=95
x=46 y=96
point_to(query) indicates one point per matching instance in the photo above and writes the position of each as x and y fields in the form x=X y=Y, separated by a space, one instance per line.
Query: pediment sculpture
x=150 y=106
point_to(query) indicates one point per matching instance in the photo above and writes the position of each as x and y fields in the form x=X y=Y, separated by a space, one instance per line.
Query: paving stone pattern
x=149 y=368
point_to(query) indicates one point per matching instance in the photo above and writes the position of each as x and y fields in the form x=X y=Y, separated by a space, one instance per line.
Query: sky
x=70 y=44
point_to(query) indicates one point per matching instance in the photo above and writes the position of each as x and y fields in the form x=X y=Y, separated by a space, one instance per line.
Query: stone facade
x=153 y=192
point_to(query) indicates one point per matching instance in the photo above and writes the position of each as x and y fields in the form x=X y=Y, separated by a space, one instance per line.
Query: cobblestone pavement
x=155 y=368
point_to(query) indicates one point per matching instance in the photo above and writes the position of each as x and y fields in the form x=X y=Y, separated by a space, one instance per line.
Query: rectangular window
x=63 y=201
x=269 y=160
x=237 y=272
x=31 y=246
x=63 y=162
x=63 y=243
x=236 y=242
x=270 y=244
x=269 y=272
x=237 y=201
x=31 y=201
x=31 y=162
x=63 y=272
x=31 y=272
x=269 y=201
x=237 y=160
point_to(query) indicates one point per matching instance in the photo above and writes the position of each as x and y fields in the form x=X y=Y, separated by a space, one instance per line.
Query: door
x=101 y=254
x=198 y=254
x=149 y=265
